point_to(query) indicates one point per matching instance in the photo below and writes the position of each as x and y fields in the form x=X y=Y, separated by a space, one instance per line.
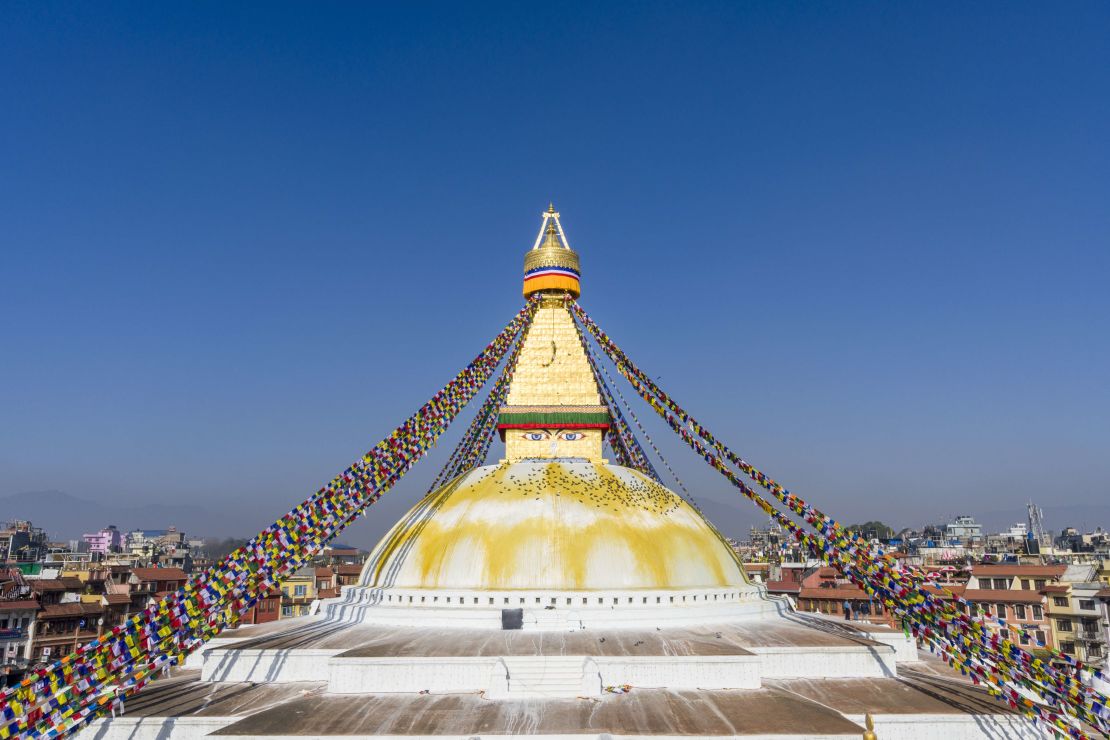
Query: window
x=1087 y=604
x=287 y=611
x=1024 y=638
x=1040 y=636
x=300 y=590
x=1000 y=611
x=1039 y=583
x=1063 y=625
x=1067 y=647
x=1019 y=611
x=1027 y=584
x=1060 y=600
x=1038 y=613
x=1004 y=634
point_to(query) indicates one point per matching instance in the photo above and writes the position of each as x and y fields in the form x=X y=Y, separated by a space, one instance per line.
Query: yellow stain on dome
x=553 y=525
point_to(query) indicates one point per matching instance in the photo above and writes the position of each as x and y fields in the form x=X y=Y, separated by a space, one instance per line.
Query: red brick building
x=825 y=591
x=266 y=609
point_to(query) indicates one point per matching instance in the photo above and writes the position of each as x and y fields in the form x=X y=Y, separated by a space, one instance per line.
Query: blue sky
x=865 y=243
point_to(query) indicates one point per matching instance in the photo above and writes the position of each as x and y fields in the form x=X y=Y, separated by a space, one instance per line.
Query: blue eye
x=534 y=436
x=572 y=436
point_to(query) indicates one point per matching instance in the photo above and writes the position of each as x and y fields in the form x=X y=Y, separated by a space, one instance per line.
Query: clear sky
x=865 y=243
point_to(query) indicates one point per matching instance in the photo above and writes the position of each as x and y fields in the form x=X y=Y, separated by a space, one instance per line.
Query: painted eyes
x=541 y=436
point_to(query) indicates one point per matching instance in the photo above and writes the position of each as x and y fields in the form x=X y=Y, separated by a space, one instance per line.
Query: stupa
x=557 y=594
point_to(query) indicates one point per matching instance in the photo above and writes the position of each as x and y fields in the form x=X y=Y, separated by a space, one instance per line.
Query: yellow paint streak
x=409 y=527
x=557 y=526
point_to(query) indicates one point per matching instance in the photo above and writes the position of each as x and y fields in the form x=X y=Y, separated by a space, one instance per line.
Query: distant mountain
x=66 y=517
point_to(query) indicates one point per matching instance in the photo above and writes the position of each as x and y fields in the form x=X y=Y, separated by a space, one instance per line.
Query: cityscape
x=57 y=596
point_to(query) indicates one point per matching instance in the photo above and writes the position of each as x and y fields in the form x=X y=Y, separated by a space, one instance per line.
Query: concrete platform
x=648 y=713
x=784 y=676
x=365 y=640
x=918 y=705
x=361 y=658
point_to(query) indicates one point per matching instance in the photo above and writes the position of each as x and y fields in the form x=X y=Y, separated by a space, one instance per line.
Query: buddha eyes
x=541 y=436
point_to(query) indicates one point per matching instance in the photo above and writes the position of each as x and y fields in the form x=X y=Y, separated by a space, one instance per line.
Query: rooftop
x=18 y=605
x=1021 y=571
x=159 y=574
x=1005 y=595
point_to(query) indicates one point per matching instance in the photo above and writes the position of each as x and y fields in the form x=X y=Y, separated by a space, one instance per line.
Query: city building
x=964 y=530
x=149 y=584
x=1077 y=613
x=326 y=585
x=344 y=555
x=1016 y=593
x=266 y=609
x=22 y=542
x=825 y=591
x=1072 y=540
x=1013 y=540
x=63 y=627
x=104 y=542
x=298 y=592
x=17 y=630
x=758 y=572
x=347 y=575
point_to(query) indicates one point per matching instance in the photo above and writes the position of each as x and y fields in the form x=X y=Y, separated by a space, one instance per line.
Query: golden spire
x=551 y=265
x=551 y=241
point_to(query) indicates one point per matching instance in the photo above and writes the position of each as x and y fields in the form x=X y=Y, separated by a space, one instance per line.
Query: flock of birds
x=588 y=484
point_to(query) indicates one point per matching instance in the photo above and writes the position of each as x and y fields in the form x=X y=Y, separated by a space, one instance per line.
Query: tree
x=873 y=530
x=220 y=548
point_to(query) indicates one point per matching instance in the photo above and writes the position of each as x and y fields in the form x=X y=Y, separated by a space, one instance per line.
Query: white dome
x=553 y=525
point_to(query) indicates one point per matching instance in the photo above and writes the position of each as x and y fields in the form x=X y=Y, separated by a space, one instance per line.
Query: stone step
x=545 y=675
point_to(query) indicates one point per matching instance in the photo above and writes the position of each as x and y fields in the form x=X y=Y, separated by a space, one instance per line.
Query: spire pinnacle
x=551 y=265
x=552 y=239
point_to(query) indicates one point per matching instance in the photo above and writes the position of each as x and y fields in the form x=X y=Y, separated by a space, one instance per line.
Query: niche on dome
x=512 y=619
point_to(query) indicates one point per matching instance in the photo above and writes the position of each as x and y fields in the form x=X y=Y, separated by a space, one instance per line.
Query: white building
x=965 y=529
x=17 y=630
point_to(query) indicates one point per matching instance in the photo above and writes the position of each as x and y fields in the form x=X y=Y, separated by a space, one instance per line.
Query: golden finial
x=869 y=733
x=551 y=265
x=552 y=237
